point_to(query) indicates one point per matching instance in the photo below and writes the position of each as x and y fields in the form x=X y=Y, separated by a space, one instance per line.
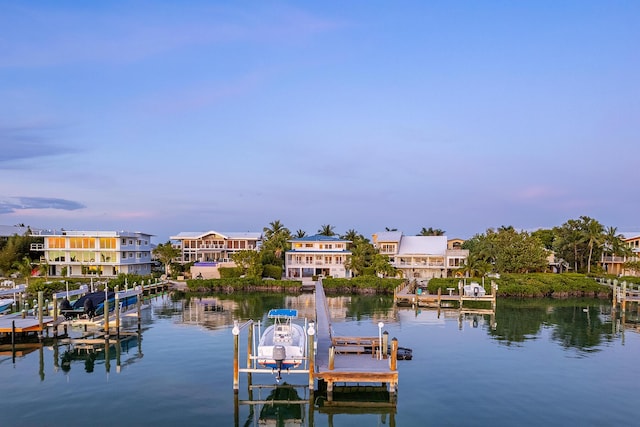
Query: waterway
x=537 y=362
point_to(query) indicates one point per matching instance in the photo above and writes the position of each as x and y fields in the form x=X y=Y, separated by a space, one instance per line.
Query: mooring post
x=236 y=356
x=331 y=357
x=139 y=308
x=117 y=312
x=385 y=344
x=249 y=348
x=106 y=311
x=393 y=365
x=439 y=296
x=40 y=320
x=13 y=337
x=624 y=296
x=311 y=331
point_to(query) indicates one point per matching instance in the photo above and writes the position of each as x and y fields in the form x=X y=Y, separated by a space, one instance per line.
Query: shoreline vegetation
x=532 y=285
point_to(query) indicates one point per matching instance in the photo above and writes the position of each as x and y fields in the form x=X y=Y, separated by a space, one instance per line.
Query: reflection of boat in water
x=286 y=409
x=282 y=345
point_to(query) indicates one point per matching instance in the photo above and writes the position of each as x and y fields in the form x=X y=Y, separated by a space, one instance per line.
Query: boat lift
x=253 y=336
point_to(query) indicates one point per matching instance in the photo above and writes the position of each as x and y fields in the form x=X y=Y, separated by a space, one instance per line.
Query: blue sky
x=164 y=117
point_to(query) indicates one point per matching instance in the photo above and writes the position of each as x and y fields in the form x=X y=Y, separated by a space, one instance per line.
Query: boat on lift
x=283 y=344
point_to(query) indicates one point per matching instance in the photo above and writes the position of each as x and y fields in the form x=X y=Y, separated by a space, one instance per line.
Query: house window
x=56 y=242
x=308 y=260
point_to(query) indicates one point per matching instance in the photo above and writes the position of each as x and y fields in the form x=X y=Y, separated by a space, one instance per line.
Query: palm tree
x=326 y=230
x=166 y=253
x=276 y=228
x=300 y=234
x=594 y=234
x=275 y=240
x=431 y=232
x=351 y=235
x=24 y=268
x=390 y=229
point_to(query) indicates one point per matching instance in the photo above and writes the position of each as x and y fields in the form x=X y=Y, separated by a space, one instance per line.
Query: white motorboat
x=283 y=344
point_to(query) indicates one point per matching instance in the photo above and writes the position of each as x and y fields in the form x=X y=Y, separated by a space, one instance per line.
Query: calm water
x=532 y=363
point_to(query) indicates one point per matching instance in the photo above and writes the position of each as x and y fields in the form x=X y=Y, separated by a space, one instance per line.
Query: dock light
x=236 y=329
x=312 y=330
x=380 y=326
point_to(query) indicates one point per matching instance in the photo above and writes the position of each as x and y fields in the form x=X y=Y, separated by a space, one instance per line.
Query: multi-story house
x=616 y=264
x=317 y=256
x=71 y=253
x=421 y=257
x=213 y=246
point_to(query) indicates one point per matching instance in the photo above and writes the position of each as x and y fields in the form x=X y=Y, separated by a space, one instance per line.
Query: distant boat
x=5 y=304
x=92 y=304
x=474 y=289
x=282 y=345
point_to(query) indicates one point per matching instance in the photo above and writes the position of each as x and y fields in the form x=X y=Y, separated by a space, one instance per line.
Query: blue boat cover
x=282 y=312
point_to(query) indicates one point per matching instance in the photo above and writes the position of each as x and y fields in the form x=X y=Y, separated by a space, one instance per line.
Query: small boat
x=92 y=304
x=283 y=344
x=5 y=304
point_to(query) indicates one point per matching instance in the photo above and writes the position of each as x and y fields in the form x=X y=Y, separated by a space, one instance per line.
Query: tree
x=326 y=230
x=24 y=267
x=300 y=234
x=431 y=232
x=390 y=229
x=275 y=243
x=166 y=253
x=474 y=266
x=594 y=234
x=505 y=251
x=249 y=261
x=351 y=235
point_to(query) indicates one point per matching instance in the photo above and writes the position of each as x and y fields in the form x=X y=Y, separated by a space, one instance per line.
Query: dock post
x=385 y=344
x=117 y=312
x=40 y=320
x=106 y=311
x=13 y=339
x=439 y=296
x=332 y=353
x=236 y=356
x=139 y=307
x=624 y=296
x=393 y=365
x=249 y=348
x=311 y=331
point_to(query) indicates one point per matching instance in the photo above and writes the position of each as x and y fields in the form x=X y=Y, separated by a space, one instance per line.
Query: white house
x=420 y=257
x=71 y=253
x=210 y=250
x=317 y=256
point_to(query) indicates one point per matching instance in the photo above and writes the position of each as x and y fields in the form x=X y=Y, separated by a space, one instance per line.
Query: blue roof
x=282 y=312
x=319 y=238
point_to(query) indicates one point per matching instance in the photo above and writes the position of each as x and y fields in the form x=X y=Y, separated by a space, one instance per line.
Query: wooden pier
x=330 y=359
x=405 y=296
x=347 y=359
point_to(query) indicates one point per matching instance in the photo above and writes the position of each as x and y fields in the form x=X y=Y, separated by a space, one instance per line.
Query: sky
x=171 y=116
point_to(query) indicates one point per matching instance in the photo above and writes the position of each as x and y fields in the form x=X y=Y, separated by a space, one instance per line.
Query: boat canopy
x=282 y=313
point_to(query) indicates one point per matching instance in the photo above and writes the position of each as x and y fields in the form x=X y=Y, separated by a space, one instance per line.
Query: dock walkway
x=340 y=359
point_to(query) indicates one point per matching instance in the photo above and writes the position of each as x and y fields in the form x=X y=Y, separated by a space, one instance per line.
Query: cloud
x=28 y=142
x=25 y=203
x=66 y=37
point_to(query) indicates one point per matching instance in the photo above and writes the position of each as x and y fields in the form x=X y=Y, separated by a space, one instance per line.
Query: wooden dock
x=405 y=296
x=346 y=359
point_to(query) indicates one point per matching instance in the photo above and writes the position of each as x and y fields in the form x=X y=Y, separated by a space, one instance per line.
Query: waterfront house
x=210 y=250
x=70 y=253
x=421 y=257
x=616 y=264
x=317 y=256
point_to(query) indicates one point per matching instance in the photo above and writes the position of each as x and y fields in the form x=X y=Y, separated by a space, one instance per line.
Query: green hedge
x=273 y=271
x=242 y=284
x=361 y=284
